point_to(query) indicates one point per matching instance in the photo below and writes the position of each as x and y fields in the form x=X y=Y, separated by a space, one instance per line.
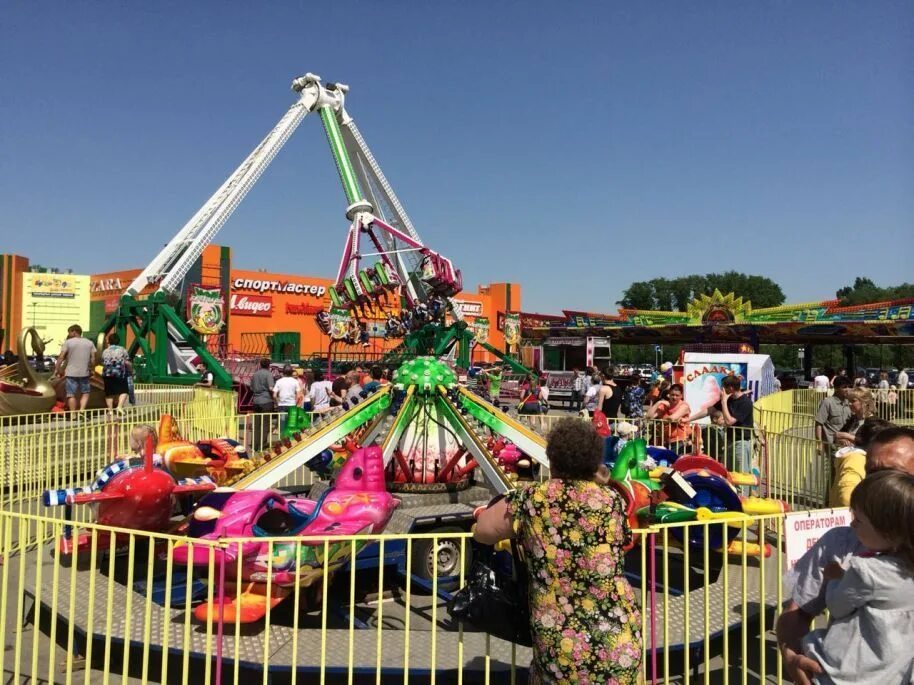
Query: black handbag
x=494 y=600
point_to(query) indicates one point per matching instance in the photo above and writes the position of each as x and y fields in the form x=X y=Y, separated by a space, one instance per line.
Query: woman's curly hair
x=575 y=450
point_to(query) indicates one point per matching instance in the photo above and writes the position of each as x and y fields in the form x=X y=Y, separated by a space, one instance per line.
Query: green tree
x=759 y=290
x=640 y=295
x=864 y=291
x=675 y=294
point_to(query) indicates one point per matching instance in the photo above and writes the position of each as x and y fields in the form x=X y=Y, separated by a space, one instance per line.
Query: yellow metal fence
x=67 y=451
x=125 y=607
x=896 y=406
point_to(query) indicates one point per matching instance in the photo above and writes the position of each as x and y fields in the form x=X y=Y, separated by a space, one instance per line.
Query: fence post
x=221 y=619
x=652 y=537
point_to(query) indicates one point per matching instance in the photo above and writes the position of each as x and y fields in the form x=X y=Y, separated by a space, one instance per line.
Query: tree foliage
x=864 y=291
x=675 y=294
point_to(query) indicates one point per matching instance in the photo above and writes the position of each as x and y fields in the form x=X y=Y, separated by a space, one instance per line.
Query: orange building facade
x=259 y=303
x=11 y=300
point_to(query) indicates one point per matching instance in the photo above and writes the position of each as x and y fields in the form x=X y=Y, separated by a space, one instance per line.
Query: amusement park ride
x=422 y=280
x=379 y=458
x=422 y=434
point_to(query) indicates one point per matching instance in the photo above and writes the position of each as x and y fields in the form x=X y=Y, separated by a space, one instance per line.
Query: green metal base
x=147 y=321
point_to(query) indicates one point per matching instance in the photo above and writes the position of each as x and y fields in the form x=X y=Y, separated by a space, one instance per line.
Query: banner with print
x=206 y=310
x=512 y=329
x=481 y=329
x=339 y=324
x=703 y=382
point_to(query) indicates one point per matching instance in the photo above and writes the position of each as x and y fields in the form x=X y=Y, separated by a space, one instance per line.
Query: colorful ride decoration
x=222 y=459
x=653 y=497
x=512 y=461
x=434 y=434
x=424 y=374
x=481 y=330
x=206 y=310
x=22 y=390
x=428 y=455
x=135 y=493
x=512 y=329
x=356 y=504
x=331 y=460
x=139 y=492
x=415 y=280
x=733 y=319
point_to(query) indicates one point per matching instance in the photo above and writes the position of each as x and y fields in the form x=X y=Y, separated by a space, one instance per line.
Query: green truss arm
x=484 y=459
x=279 y=467
x=221 y=377
x=513 y=363
x=401 y=422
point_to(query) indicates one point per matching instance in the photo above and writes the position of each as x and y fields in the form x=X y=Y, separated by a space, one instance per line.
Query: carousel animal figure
x=356 y=503
x=22 y=389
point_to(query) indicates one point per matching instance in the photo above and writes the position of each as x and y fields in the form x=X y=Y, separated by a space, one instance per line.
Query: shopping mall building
x=257 y=303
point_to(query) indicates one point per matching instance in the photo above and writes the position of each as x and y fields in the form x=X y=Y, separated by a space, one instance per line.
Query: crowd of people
x=658 y=407
x=885 y=393
x=307 y=389
x=586 y=624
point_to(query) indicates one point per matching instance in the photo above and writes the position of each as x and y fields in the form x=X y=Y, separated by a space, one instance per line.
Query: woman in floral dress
x=585 y=623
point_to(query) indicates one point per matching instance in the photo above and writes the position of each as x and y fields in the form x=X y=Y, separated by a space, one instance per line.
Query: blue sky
x=573 y=147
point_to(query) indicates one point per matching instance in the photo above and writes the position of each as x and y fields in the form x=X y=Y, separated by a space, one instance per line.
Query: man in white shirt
x=586 y=381
x=577 y=390
x=902 y=381
x=544 y=394
x=590 y=396
x=320 y=393
x=353 y=394
x=821 y=382
x=287 y=394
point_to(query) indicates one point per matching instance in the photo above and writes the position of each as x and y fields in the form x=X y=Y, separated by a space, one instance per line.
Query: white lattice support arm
x=171 y=265
x=349 y=129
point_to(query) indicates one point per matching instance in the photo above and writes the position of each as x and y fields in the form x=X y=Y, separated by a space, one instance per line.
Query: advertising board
x=52 y=303
x=702 y=382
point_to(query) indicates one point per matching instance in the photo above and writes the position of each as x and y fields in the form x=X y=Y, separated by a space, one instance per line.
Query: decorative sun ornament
x=719 y=308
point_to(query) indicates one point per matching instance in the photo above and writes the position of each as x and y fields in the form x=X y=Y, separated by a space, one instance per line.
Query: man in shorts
x=77 y=357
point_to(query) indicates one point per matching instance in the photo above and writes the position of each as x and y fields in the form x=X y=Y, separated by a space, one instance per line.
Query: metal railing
x=705 y=615
x=68 y=452
x=127 y=608
x=896 y=406
x=149 y=398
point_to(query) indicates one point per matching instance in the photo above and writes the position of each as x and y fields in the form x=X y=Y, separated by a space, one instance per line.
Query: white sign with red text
x=804 y=528
x=468 y=308
x=251 y=305
x=265 y=285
